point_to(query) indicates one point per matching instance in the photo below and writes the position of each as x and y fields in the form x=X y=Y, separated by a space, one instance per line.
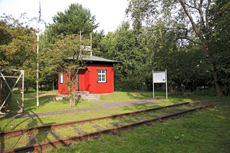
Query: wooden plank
x=2 y=144
x=57 y=135
x=79 y=131
x=115 y=124
x=165 y=113
x=98 y=127
x=129 y=121
x=31 y=139
x=142 y=118
x=153 y=115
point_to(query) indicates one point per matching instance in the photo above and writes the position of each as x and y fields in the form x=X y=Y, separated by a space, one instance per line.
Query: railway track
x=43 y=137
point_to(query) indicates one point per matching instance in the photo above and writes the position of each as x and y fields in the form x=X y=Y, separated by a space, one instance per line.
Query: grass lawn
x=46 y=102
x=130 y=95
x=204 y=131
x=198 y=132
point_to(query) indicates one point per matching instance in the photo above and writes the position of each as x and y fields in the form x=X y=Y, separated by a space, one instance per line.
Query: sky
x=108 y=13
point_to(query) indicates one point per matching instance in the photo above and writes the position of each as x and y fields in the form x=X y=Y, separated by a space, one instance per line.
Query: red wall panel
x=94 y=86
x=88 y=80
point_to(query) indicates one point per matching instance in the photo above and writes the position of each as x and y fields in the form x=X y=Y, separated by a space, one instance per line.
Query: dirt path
x=106 y=105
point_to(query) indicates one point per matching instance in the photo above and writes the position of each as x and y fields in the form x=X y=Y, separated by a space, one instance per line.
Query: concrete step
x=81 y=92
x=91 y=99
x=85 y=95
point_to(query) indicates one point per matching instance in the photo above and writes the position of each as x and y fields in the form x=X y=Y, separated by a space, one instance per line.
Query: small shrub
x=206 y=92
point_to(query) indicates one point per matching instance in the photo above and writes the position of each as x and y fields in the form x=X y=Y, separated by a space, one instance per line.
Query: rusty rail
x=51 y=126
x=67 y=141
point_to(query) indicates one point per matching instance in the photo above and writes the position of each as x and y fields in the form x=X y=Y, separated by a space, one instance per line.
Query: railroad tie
x=2 y=144
x=142 y=118
x=115 y=124
x=31 y=139
x=98 y=127
x=178 y=110
x=57 y=135
x=79 y=131
x=153 y=115
x=129 y=121
x=165 y=113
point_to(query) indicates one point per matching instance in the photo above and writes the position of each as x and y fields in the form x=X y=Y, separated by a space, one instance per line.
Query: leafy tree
x=72 y=21
x=123 y=46
x=66 y=57
x=220 y=41
x=17 y=49
x=185 y=17
x=184 y=63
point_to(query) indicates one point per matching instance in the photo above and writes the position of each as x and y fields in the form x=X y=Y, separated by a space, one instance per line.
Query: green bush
x=206 y=91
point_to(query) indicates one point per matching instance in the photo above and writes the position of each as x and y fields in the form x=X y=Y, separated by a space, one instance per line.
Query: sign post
x=160 y=77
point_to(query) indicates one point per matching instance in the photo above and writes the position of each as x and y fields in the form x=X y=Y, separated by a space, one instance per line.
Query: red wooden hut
x=98 y=78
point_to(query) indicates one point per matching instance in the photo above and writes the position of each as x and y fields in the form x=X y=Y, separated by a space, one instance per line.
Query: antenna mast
x=91 y=44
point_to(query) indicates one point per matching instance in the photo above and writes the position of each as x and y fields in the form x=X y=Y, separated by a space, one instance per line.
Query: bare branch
x=206 y=12
x=186 y=36
x=195 y=42
x=194 y=7
x=191 y=20
x=202 y=26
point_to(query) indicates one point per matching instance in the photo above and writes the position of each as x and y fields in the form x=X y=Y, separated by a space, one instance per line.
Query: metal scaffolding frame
x=11 y=89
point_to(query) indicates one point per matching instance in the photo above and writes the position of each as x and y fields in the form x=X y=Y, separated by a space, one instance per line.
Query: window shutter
x=97 y=75
x=106 y=76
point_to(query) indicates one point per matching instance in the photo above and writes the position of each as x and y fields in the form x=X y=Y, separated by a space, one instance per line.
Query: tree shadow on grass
x=30 y=104
x=155 y=104
x=33 y=121
x=43 y=133
x=2 y=144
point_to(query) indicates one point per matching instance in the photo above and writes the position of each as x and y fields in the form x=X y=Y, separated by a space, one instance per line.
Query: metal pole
x=22 y=91
x=91 y=44
x=166 y=83
x=153 y=84
x=80 y=42
x=37 y=68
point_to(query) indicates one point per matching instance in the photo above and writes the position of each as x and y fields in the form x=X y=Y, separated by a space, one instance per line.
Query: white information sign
x=160 y=77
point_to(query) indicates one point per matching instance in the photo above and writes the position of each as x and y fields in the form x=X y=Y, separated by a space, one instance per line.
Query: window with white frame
x=101 y=76
x=61 y=77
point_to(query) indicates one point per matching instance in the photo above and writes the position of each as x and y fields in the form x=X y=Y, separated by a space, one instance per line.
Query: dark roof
x=97 y=59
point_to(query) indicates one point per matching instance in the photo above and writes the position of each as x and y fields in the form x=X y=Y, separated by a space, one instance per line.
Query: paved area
x=106 y=105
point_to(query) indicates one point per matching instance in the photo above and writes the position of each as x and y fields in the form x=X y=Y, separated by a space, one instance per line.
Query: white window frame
x=61 y=78
x=101 y=73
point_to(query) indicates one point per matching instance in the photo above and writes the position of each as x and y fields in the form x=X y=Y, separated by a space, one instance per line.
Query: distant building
x=98 y=78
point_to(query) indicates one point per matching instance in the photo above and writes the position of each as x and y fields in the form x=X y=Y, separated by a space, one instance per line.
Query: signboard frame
x=160 y=77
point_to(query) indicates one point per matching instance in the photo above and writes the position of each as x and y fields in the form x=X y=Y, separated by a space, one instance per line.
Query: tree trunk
x=217 y=85
x=53 y=84
x=1 y=91
x=72 y=99
x=218 y=88
x=199 y=33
